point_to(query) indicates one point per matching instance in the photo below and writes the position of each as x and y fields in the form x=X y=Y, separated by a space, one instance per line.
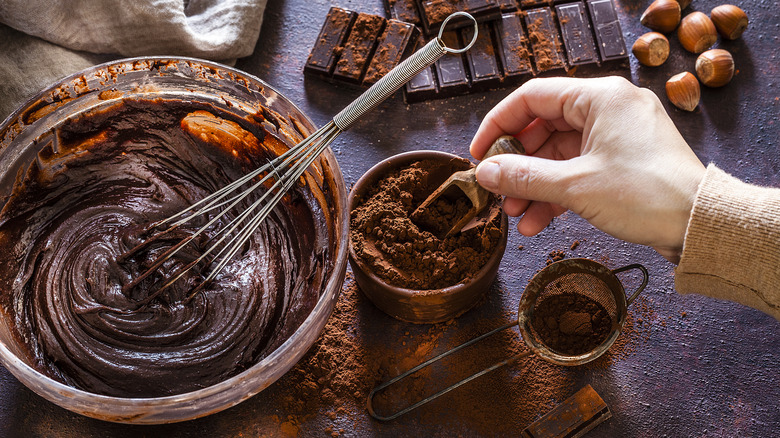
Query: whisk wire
x=286 y=169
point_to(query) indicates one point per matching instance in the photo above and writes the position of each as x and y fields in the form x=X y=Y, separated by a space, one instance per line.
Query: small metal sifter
x=579 y=281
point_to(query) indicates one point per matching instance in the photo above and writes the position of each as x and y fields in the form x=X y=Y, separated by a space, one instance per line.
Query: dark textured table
x=690 y=365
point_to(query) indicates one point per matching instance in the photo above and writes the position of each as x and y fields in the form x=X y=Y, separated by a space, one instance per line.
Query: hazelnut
x=715 y=67
x=696 y=32
x=651 y=49
x=662 y=15
x=684 y=3
x=730 y=21
x=683 y=91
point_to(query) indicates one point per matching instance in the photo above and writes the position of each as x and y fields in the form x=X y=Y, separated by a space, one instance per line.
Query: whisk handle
x=398 y=76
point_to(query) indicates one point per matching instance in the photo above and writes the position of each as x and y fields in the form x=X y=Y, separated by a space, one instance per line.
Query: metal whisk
x=284 y=170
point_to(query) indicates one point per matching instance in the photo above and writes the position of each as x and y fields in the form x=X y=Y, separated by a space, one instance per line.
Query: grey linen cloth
x=42 y=41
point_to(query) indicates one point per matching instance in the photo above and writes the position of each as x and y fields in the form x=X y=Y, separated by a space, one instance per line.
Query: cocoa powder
x=329 y=386
x=571 y=324
x=390 y=244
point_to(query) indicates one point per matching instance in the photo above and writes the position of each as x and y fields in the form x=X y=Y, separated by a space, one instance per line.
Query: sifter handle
x=645 y=277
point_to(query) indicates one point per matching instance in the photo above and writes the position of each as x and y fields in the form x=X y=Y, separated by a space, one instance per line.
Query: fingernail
x=488 y=174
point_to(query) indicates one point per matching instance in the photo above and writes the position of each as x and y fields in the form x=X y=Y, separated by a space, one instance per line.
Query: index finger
x=562 y=98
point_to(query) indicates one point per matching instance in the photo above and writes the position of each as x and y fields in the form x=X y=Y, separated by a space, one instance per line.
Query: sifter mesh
x=574 y=314
x=573 y=310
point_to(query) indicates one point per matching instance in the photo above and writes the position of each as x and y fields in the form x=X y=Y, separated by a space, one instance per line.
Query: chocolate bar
x=609 y=36
x=450 y=70
x=434 y=12
x=525 y=41
x=324 y=55
x=395 y=44
x=576 y=33
x=513 y=48
x=545 y=42
x=357 y=51
x=359 y=48
x=403 y=10
x=482 y=61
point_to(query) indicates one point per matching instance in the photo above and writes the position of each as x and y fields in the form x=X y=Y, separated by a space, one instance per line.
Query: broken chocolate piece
x=395 y=44
x=359 y=47
x=325 y=53
x=609 y=36
x=450 y=70
x=483 y=64
x=577 y=37
x=403 y=10
x=545 y=42
x=574 y=417
x=513 y=48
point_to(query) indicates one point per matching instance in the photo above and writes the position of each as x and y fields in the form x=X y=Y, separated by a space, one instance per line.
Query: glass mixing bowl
x=189 y=80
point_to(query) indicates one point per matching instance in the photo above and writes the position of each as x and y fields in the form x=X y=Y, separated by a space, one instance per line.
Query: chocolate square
x=545 y=42
x=513 y=48
x=609 y=36
x=421 y=87
x=395 y=44
x=450 y=70
x=576 y=33
x=359 y=47
x=482 y=61
x=508 y=5
x=403 y=10
x=333 y=34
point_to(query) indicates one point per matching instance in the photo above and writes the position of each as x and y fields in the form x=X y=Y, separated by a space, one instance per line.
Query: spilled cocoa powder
x=396 y=249
x=329 y=386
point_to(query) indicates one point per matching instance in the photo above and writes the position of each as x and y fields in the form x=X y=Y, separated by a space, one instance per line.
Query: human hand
x=602 y=148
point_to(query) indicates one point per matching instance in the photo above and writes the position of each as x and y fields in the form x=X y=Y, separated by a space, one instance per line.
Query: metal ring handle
x=444 y=24
x=645 y=278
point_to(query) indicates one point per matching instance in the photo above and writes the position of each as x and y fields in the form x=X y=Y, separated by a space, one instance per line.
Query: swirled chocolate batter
x=85 y=199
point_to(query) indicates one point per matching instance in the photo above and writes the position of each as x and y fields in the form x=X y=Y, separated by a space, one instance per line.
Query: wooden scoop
x=465 y=181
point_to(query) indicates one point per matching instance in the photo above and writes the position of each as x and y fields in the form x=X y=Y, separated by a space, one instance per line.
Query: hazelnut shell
x=651 y=49
x=662 y=15
x=697 y=32
x=683 y=91
x=729 y=20
x=684 y=3
x=715 y=67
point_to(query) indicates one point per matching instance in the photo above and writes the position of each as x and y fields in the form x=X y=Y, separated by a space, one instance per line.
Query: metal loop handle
x=473 y=39
x=370 y=401
x=645 y=278
x=397 y=77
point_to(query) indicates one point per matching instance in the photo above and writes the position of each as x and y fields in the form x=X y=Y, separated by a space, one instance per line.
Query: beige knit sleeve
x=732 y=245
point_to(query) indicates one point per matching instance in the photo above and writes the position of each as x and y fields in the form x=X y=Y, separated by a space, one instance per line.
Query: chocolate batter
x=85 y=200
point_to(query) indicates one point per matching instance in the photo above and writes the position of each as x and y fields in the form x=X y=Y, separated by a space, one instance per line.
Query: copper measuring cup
x=580 y=276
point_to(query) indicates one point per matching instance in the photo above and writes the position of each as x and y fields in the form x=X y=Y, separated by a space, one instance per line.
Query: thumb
x=527 y=177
